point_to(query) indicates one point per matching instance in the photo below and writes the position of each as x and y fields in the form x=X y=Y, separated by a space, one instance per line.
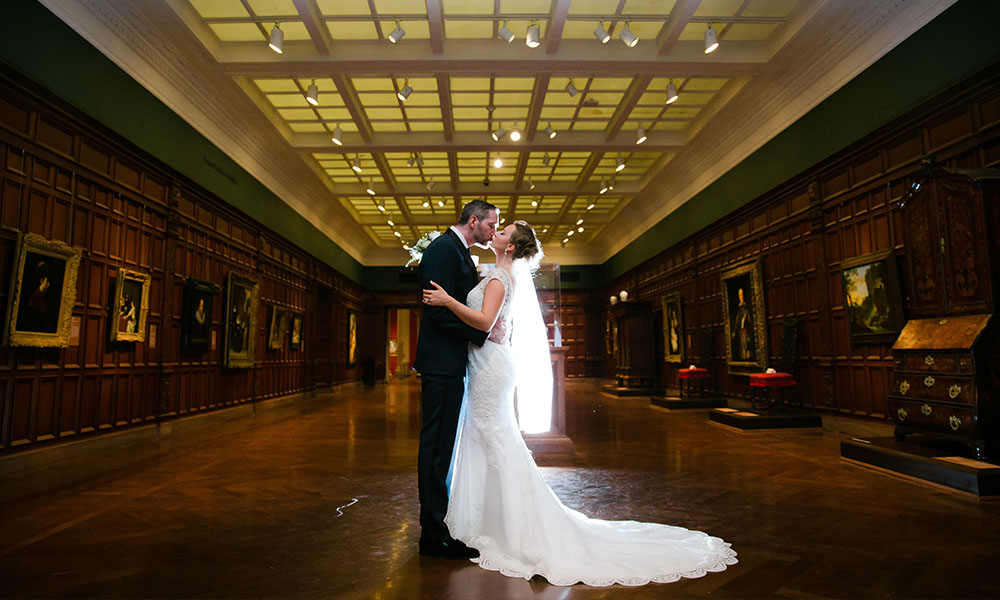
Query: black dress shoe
x=451 y=549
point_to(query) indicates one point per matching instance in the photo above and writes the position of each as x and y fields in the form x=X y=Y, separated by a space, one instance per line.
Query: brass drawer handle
x=925 y=410
x=901 y=413
x=904 y=386
x=928 y=360
x=954 y=391
x=954 y=422
x=929 y=381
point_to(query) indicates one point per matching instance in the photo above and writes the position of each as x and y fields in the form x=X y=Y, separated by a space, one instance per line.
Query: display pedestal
x=685 y=402
x=554 y=442
x=936 y=461
x=757 y=420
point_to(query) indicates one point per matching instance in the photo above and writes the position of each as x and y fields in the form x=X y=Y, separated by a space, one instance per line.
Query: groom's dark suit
x=442 y=355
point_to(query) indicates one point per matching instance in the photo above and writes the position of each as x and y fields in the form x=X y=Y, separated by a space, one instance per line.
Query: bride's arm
x=482 y=320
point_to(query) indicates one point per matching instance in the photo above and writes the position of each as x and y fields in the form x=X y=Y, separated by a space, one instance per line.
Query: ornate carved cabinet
x=947 y=359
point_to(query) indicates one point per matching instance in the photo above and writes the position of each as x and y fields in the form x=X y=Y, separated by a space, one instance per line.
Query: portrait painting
x=352 y=337
x=276 y=331
x=196 y=319
x=872 y=302
x=42 y=294
x=131 y=306
x=240 y=322
x=745 y=319
x=295 y=338
x=673 y=329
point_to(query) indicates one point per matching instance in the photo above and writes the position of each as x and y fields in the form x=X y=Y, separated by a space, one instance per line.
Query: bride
x=499 y=501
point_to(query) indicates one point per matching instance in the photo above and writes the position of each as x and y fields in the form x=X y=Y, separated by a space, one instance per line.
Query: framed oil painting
x=673 y=329
x=196 y=319
x=42 y=292
x=277 y=329
x=872 y=301
x=352 y=337
x=240 y=336
x=131 y=307
x=746 y=329
x=295 y=337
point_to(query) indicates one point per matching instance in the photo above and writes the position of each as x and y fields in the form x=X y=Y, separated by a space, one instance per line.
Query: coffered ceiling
x=406 y=164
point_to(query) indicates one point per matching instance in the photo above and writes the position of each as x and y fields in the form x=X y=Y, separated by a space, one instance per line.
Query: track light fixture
x=611 y=184
x=390 y=223
x=380 y=207
x=580 y=229
x=640 y=134
x=546 y=159
x=412 y=159
x=338 y=135
x=579 y=221
x=505 y=34
x=671 y=92
x=533 y=38
x=619 y=164
x=601 y=33
x=499 y=133
x=515 y=134
x=420 y=159
x=531 y=184
x=550 y=132
x=312 y=94
x=370 y=189
x=356 y=164
x=604 y=186
x=497 y=162
x=404 y=93
x=397 y=33
x=570 y=233
x=427 y=204
x=397 y=234
x=571 y=89
x=628 y=37
x=441 y=203
x=430 y=184
x=590 y=206
x=277 y=38
x=534 y=203
x=711 y=39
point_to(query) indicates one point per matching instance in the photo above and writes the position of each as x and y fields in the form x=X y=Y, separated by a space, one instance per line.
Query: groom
x=442 y=355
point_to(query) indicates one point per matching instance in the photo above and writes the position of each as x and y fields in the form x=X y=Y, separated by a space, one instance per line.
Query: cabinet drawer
x=933 y=417
x=936 y=362
x=935 y=387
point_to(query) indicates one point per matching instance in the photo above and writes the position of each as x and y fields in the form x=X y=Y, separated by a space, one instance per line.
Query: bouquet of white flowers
x=418 y=247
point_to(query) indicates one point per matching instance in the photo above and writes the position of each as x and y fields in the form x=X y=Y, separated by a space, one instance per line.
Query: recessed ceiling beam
x=535 y=110
x=444 y=99
x=557 y=20
x=354 y=106
x=435 y=22
x=679 y=18
x=629 y=99
x=312 y=18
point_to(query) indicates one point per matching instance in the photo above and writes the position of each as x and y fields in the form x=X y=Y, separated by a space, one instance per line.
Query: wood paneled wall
x=69 y=179
x=800 y=231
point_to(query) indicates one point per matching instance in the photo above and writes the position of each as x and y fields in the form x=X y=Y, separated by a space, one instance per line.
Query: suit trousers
x=441 y=403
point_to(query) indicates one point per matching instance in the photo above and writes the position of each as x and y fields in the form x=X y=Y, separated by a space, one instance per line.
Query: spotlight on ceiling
x=499 y=133
x=531 y=184
x=381 y=208
x=497 y=162
x=546 y=159
x=711 y=39
x=571 y=89
x=356 y=164
x=671 y=92
x=533 y=37
x=397 y=234
x=312 y=95
x=604 y=186
x=427 y=204
x=397 y=33
x=579 y=221
x=338 y=135
x=534 y=203
x=640 y=134
x=628 y=37
x=390 y=223
x=420 y=159
x=580 y=229
x=550 y=132
x=611 y=184
x=441 y=203
x=412 y=159
x=404 y=93
x=277 y=38
x=590 y=206
x=370 y=189
x=430 y=185
x=601 y=33
x=515 y=134
x=505 y=34
x=619 y=164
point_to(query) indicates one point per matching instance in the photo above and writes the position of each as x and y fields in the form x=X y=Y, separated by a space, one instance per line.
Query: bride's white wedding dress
x=501 y=505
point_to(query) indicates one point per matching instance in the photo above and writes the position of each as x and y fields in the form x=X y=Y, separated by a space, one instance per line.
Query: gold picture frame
x=131 y=307
x=673 y=329
x=278 y=328
x=42 y=292
x=240 y=336
x=745 y=319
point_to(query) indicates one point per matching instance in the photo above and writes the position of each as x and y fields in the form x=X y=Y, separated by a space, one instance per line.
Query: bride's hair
x=526 y=244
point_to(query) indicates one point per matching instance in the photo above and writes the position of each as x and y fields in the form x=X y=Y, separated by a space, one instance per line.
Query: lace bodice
x=500 y=333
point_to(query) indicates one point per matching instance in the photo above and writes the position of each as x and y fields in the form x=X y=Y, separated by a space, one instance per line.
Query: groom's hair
x=477 y=208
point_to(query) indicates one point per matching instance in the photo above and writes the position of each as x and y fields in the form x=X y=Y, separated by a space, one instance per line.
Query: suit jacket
x=443 y=341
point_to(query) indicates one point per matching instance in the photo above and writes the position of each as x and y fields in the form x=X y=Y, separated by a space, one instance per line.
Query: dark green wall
x=38 y=44
x=962 y=41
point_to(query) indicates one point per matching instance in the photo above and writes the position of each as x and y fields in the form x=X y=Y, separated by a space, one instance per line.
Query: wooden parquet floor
x=324 y=505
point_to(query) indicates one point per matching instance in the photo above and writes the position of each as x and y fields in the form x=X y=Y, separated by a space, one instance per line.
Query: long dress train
x=501 y=505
